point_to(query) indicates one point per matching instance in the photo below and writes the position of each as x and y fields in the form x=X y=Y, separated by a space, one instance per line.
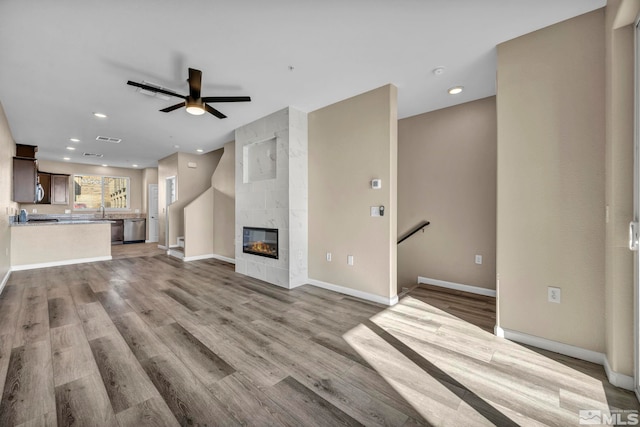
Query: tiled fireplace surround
x=272 y=192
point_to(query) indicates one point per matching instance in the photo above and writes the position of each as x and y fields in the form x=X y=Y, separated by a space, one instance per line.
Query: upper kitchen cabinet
x=44 y=179
x=59 y=189
x=25 y=180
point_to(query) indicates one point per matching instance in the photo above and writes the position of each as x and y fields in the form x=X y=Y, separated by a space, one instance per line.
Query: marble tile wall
x=274 y=202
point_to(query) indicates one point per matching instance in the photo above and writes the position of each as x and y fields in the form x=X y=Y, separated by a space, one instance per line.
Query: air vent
x=92 y=155
x=156 y=94
x=108 y=139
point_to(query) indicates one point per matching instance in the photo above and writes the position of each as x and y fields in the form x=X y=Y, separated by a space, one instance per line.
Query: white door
x=153 y=212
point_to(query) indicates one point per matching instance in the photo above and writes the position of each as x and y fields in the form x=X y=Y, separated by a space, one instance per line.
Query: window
x=92 y=192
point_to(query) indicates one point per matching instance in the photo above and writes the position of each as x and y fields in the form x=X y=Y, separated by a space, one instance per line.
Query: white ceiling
x=62 y=60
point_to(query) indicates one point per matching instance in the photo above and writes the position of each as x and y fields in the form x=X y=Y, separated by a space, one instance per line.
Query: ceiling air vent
x=108 y=139
x=92 y=155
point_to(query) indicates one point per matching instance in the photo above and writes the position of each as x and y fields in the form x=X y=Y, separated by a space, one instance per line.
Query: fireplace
x=260 y=241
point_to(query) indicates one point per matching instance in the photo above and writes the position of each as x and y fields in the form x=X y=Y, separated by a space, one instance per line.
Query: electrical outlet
x=34 y=210
x=478 y=259
x=350 y=259
x=67 y=211
x=554 y=294
x=329 y=256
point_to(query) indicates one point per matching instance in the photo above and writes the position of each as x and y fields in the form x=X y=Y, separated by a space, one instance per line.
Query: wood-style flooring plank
x=71 y=355
x=28 y=389
x=124 y=379
x=249 y=403
x=33 y=319
x=188 y=399
x=95 y=320
x=306 y=406
x=140 y=338
x=203 y=362
x=153 y=412
x=84 y=402
x=62 y=312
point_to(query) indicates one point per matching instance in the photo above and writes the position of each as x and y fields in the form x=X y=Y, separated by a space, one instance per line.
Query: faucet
x=103 y=210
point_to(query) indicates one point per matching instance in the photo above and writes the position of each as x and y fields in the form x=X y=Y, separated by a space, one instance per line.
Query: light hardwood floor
x=146 y=339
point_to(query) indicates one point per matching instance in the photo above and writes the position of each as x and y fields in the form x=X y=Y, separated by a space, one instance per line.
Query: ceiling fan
x=194 y=103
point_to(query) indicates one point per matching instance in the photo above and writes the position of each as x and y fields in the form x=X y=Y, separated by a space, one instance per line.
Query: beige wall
x=351 y=143
x=167 y=167
x=191 y=182
x=619 y=183
x=198 y=225
x=7 y=206
x=447 y=175
x=224 y=203
x=551 y=132
x=135 y=176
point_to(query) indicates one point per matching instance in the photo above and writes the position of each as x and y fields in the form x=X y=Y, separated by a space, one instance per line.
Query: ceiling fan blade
x=155 y=89
x=173 y=107
x=215 y=112
x=195 y=83
x=226 y=99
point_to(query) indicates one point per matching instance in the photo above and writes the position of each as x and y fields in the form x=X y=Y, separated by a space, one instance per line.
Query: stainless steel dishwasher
x=135 y=230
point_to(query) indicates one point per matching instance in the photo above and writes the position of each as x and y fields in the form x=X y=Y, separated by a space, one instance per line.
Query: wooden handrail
x=420 y=226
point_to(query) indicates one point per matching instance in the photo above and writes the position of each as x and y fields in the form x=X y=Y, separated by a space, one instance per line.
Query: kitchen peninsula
x=46 y=244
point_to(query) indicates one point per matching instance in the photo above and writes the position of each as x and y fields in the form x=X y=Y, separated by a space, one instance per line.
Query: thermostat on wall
x=376 y=184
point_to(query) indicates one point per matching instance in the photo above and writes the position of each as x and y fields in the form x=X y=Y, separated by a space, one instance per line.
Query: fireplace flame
x=262 y=247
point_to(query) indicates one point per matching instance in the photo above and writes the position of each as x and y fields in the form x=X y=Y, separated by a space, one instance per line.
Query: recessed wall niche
x=259 y=161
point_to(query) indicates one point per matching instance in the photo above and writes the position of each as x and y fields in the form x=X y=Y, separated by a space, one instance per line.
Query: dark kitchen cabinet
x=25 y=179
x=59 y=189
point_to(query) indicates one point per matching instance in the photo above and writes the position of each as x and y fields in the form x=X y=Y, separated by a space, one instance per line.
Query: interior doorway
x=153 y=213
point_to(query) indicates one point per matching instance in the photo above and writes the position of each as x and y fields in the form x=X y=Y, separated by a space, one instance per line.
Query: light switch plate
x=375 y=210
x=554 y=294
x=350 y=259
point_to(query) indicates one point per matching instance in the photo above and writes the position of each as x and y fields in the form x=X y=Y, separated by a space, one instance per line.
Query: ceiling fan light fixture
x=195 y=108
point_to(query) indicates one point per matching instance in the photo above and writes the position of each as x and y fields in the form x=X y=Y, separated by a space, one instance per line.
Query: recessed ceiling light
x=200 y=150
x=104 y=166
x=71 y=148
x=66 y=158
x=74 y=140
x=455 y=90
x=135 y=166
x=100 y=115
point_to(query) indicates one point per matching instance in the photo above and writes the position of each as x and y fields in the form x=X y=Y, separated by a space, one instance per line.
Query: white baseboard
x=457 y=286
x=210 y=256
x=354 y=292
x=152 y=241
x=163 y=247
x=175 y=254
x=5 y=279
x=615 y=378
x=224 y=258
x=618 y=379
x=59 y=263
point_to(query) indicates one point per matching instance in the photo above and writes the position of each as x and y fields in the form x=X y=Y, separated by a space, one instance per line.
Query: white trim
x=163 y=247
x=176 y=254
x=617 y=379
x=153 y=241
x=209 y=256
x=555 y=346
x=59 y=263
x=354 y=292
x=224 y=258
x=457 y=286
x=5 y=279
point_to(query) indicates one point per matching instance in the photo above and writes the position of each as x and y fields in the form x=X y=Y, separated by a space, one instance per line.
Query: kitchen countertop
x=62 y=222
x=66 y=219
